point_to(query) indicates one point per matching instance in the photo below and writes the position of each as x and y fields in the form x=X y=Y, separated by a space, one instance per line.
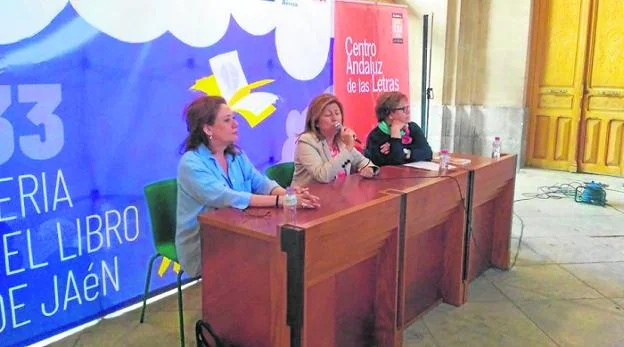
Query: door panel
x=556 y=87
x=562 y=146
x=603 y=109
x=592 y=137
x=614 y=155
x=542 y=131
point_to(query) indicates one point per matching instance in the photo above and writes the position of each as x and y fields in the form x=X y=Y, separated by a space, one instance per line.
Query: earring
x=210 y=137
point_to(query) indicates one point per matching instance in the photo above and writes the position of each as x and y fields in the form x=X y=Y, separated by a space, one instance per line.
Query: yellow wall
x=479 y=72
x=503 y=70
x=487 y=52
x=480 y=50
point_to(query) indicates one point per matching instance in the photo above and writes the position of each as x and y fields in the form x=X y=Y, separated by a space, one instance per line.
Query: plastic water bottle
x=444 y=161
x=496 y=148
x=290 y=207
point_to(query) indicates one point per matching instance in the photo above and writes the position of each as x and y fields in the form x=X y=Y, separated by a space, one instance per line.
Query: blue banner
x=91 y=100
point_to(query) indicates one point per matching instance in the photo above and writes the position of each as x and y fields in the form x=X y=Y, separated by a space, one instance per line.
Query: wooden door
x=556 y=85
x=602 y=129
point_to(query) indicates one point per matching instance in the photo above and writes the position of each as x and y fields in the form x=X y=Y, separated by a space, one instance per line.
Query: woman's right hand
x=395 y=128
x=347 y=136
x=385 y=148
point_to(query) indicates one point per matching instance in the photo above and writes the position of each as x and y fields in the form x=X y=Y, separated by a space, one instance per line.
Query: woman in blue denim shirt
x=214 y=173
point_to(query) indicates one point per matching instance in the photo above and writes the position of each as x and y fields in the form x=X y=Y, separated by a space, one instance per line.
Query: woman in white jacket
x=325 y=151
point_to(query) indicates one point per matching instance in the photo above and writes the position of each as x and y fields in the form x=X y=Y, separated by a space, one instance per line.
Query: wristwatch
x=407 y=152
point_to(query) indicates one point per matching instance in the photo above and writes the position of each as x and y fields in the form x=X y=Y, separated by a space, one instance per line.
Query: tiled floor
x=567 y=288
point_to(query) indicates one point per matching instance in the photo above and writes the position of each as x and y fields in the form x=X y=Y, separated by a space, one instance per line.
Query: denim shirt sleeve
x=260 y=184
x=196 y=179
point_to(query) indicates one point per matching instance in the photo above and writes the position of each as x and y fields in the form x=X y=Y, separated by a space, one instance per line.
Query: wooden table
x=432 y=248
x=490 y=209
x=334 y=284
x=377 y=255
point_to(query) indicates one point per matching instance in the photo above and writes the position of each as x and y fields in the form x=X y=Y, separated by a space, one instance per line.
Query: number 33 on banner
x=46 y=97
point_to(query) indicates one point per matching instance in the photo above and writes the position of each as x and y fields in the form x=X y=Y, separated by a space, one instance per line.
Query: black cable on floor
x=556 y=191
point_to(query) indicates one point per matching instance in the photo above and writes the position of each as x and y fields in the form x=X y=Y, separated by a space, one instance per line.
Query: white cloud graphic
x=133 y=21
x=199 y=23
x=261 y=20
x=302 y=31
x=295 y=122
x=302 y=38
x=295 y=125
x=21 y=19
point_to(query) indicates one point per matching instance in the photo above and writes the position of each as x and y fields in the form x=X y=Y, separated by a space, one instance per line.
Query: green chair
x=281 y=173
x=162 y=199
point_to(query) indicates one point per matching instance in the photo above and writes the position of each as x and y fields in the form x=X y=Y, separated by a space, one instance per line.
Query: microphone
x=339 y=129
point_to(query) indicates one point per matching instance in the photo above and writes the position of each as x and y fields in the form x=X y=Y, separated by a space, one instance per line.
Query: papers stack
x=427 y=165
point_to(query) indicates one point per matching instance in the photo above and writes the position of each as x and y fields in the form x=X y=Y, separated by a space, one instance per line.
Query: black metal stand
x=293 y=243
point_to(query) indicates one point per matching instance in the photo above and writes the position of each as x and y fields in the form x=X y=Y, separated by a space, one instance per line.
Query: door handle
x=609 y=93
x=557 y=91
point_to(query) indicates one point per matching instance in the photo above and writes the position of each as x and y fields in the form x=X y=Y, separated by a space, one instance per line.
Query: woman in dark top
x=396 y=140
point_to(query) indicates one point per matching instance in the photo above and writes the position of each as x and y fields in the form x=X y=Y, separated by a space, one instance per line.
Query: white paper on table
x=427 y=165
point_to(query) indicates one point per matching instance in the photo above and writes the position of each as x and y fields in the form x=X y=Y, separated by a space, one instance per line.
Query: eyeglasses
x=405 y=109
x=256 y=213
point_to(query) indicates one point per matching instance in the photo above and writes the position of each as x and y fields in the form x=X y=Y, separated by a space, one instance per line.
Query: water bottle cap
x=497 y=138
x=444 y=151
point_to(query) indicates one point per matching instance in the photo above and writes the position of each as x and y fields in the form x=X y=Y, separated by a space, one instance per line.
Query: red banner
x=370 y=57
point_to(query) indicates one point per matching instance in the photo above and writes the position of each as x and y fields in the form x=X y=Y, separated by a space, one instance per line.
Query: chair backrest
x=281 y=173
x=162 y=201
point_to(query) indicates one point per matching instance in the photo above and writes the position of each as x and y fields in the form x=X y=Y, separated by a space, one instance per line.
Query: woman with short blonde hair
x=325 y=151
x=396 y=140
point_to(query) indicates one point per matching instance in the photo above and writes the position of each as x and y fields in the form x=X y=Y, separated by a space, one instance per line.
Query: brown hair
x=386 y=103
x=198 y=113
x=315 y=111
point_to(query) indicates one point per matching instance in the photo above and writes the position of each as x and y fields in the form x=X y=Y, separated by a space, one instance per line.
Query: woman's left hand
x=306 y=199
x=367 y=172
